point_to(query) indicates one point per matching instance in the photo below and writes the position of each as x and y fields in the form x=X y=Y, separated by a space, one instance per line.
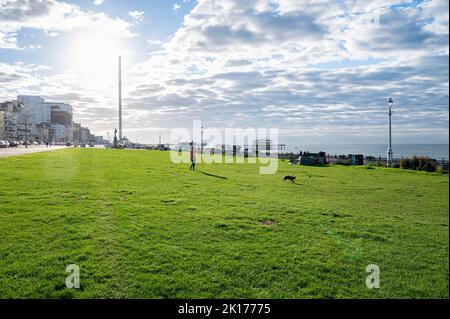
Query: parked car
x=68 y=144
x=4 y=144
x=13 y=144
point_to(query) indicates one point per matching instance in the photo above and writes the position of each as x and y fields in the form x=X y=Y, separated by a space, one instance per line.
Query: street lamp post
x=389 y=150
x=201 y=142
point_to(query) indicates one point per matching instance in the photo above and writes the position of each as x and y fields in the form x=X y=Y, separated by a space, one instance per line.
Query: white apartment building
x=38 y=110
x=58 y=115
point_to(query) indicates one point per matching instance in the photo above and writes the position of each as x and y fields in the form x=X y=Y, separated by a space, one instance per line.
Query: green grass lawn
x=139 y=226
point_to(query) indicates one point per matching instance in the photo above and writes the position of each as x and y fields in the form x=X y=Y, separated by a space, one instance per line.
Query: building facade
x=99 y=140
x=81 y=135
x=44 y=133
x=32 y=118
x=39 y=111
x=44 y=115
x=60 y=113
x=61 y=122
x=2 y=125
x=61 y=133
x=16 y=125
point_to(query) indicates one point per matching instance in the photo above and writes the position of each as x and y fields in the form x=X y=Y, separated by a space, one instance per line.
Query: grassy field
x=139 y=226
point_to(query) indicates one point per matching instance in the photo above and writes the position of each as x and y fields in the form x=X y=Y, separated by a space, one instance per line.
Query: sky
x=319 y=71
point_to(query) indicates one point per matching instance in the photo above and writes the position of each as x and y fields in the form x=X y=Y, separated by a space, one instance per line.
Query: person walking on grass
x=192 y=167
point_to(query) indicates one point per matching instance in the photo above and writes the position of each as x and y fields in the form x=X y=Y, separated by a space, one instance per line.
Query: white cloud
x=137 y=15
x=437 y=11
x=54 y=17
x=16 y=77
x=98 y=2
x=176 y=7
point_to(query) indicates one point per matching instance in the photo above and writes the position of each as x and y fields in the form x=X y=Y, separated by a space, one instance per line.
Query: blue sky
x=320 y=71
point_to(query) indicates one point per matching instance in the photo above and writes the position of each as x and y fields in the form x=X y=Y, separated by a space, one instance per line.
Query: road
x=21 y=150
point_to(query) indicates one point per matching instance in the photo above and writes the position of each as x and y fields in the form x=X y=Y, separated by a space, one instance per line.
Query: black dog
x=289 y=178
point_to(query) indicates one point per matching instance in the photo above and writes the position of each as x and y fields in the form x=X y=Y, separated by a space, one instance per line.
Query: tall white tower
x=120 y=98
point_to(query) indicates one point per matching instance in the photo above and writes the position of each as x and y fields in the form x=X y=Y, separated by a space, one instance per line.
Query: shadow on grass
x=212 y=175
x=292 y=183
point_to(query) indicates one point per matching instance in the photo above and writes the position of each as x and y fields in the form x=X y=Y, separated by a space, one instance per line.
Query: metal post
x=201 y=145
x=389 y=150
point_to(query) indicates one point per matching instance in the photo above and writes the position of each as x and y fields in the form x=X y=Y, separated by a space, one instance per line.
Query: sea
x=435 y=151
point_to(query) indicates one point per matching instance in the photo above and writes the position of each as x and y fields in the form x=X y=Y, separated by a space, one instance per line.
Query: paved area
x=14 y=151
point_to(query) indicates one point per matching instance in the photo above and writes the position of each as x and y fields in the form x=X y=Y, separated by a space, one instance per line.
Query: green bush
x=405 y=163
x=426 y=164
x=414 y=162
x=421 y=163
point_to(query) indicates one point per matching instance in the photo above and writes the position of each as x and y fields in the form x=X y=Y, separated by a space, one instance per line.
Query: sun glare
x=94 y=57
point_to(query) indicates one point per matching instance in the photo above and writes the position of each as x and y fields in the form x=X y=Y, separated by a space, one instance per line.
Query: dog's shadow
x=295 y=183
